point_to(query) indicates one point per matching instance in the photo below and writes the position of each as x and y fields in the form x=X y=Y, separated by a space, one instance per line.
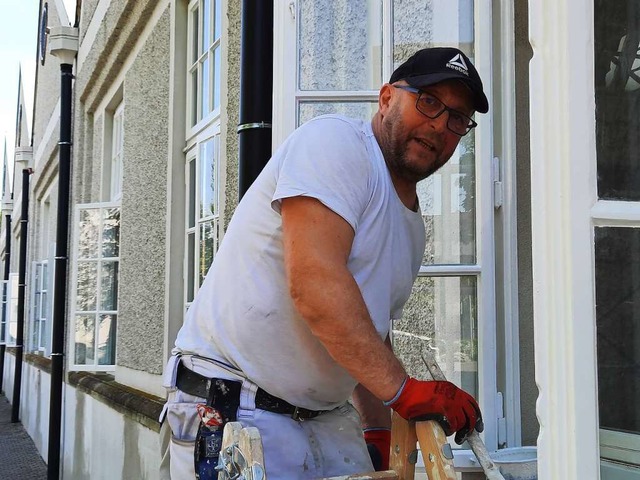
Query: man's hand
x=453 y=408
x=378 y=442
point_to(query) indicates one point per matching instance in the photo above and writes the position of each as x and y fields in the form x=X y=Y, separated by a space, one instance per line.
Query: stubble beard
x=396 y=151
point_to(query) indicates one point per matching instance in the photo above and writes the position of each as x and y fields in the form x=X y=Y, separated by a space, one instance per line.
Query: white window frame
x=193 y=155
x=208 y=54
x=73 y=296
x=117 y=148
x=4 y=320
x=206 y=127
x=563 y=197
x=12 y=308
x=285 y=100
x=40 y=313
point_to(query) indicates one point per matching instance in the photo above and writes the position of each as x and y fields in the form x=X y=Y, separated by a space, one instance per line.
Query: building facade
x=528 y=291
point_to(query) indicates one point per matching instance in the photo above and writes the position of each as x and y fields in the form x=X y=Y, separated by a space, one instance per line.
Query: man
x=293 y=317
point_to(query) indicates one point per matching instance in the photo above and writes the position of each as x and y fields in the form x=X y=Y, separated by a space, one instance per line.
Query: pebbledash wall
x=131 y=54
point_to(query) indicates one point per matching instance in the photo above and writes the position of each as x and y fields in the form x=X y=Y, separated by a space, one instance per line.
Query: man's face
x=415 y=146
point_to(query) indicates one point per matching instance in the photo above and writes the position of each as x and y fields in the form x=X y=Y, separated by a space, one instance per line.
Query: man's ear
x=384 y=98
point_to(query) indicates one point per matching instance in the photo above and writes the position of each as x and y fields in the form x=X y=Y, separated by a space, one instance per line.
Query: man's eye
x=430 y=101
x=458 y=118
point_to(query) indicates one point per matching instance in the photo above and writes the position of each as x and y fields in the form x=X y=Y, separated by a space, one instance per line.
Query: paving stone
x=19 y=458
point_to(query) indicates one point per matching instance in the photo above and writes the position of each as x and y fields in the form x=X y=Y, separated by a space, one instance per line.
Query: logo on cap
x=458 y=63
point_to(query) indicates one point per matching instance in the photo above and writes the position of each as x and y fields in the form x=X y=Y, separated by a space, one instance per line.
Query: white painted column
x=562 y=194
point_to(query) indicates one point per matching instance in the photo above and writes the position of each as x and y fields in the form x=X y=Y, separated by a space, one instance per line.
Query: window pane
x=617 y=262
x=419 y=24
x=207 y=249
x=361 y=110
x=107 y=339
x=191 y=220
x=45 y=276
x=109 y=286
x=44 y=305
x=194 y=97
x=191 y=247
x=340 y=44
x=218 y=19
x=216 y=77
x=89 y=230
x=84 y=340
x=447 y=200
x=208 y=185
x=206 y=25
x=441 y=317
x=205 y=97
x=43 y=335
x=195 y=24
x=3 y=323
x=617 y=92
x=111 y=233
x=87 y=286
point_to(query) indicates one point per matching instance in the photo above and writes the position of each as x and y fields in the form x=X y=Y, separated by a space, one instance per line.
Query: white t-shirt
x=243 y=314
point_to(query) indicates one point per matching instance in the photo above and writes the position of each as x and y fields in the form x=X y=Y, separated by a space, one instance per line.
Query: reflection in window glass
x=441 y=317
x=208 y=185
x=111 y=233
x=96 y=289
x=88 y=233
x=362 y=110
x=107 y=339
x=617 y=262
x=617 y=91
x=340 y=44
x=86 y=290
x=84 y=335
x=418 y=24
x=448 y=203
x=207 y=248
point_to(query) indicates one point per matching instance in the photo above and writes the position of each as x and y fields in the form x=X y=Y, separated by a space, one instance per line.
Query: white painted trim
x=63 y=17
x=487 y=354
x=91 y=32
x=174 y=271
x=563 y=163
x=508 y=177
x=145 y=381
x=54 y=119
x=133 y=55
x=284 y=59
x=443 y=270
x=606 y=213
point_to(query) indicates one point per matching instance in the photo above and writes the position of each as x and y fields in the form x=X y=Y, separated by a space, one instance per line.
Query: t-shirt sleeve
x=326 y=159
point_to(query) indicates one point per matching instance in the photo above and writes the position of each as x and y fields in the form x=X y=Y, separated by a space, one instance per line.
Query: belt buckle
x=296 y=414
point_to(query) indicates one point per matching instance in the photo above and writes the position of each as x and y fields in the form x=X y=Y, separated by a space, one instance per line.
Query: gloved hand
x=378 y=442
x=453 y=408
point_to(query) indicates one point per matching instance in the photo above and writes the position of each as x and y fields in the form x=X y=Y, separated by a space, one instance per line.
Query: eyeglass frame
x=470 y=126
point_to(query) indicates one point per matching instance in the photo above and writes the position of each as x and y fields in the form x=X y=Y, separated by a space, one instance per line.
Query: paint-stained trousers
x=328 y=445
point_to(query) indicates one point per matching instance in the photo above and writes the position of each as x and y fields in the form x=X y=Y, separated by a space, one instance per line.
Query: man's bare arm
x=317 y=243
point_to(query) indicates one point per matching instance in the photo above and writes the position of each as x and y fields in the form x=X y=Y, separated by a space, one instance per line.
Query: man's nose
x=439 y=124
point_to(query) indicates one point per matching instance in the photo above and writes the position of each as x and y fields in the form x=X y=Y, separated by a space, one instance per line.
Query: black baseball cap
x=433 y=65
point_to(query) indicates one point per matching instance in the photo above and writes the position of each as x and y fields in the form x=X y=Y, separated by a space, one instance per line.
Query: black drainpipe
x=60 y=274
x=256 y=90
x=22 y=269
x=5 y=290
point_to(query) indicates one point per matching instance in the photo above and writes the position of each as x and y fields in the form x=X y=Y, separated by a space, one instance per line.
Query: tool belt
x=198 y=385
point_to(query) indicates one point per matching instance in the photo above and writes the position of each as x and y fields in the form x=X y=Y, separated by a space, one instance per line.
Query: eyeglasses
x=432 y=107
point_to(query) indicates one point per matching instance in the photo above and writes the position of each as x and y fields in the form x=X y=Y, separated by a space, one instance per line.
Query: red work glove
x=378 y=442
x=453 y=408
